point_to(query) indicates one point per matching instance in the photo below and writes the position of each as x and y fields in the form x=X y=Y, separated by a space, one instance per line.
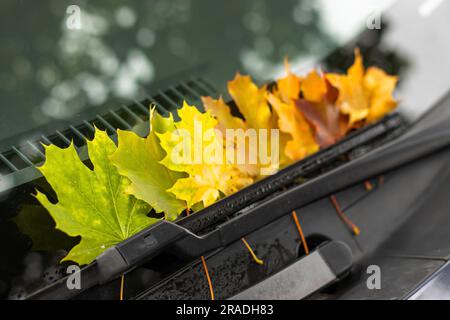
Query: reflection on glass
x=51 y=71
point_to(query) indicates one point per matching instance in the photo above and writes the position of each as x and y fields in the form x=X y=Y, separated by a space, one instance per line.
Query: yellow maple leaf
x=314 y=87
x=225 y=120
x=195 y=147
x=381 y=85
x=259 y=120
x=298 y=140
x=222 y=112
x=251 y=102
x=292 y=122
x=362 y=94
x=289 y=86
x=138 y=159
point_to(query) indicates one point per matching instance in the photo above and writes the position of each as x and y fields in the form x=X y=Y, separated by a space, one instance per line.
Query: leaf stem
x=252 y=253
x=300 y=231
x=344 y=218
x=122 y=283
x=205 y=267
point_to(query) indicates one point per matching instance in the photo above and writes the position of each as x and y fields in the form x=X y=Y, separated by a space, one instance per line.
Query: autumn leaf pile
x=111 y=202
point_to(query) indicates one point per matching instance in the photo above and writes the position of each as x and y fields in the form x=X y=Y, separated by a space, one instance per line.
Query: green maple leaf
x=139 y=160
x=91 y=203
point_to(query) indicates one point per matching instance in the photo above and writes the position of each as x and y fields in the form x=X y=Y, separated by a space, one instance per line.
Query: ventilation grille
x=31 y=153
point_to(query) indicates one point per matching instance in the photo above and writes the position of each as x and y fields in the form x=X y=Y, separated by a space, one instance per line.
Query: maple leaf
x=221 y=111
x=314 y=87
x=225 y=120
x=296 y=138
x=209 y=175
x=381 y=86
x=300 y=141
x=318 y=107
x=291 y=121
x=138 y=159
x=251 y=102
x=362 y=94
x=290 y=85
x=91 y=203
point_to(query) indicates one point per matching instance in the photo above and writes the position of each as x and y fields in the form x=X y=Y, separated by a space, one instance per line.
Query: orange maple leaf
x=298 y=141
x=292 y=122
x=318 y=107
x=290 y=85
x=381 y=86
x=364 y=95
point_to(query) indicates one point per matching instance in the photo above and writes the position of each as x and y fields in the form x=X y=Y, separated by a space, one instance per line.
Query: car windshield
x=59 y=59
x=70 y=66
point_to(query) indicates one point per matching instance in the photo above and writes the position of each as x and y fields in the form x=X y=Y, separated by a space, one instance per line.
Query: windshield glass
x=67 y=64
x=59 y=58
